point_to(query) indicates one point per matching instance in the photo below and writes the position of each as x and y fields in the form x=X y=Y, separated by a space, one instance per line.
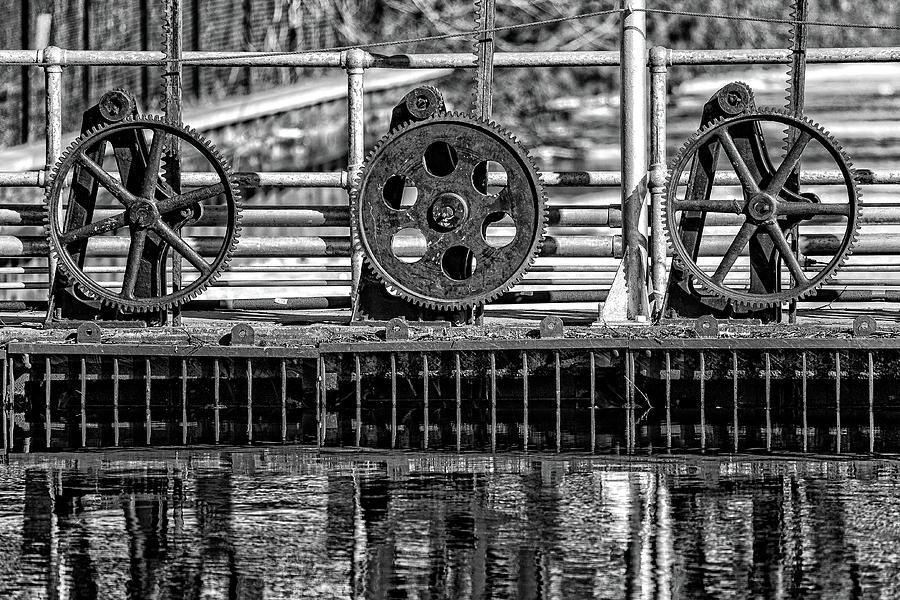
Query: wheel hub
x=448 y=211
x=143 y=213
x=762 y=207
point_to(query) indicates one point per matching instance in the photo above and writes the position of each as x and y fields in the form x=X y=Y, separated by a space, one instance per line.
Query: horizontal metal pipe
x=609 y=246
x=339 y=179
x=319 y=302
x=781 y=56
x=306 y=246
x=449 y=60
x=318 y=216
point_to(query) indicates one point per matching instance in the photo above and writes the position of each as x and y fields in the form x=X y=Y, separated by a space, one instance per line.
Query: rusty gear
x=767 y=206
x=150 y=208
x=445 y=159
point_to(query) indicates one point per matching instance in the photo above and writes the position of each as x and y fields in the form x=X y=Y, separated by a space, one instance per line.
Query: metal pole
x=355 y=61
x=53 y=89
x=658 y=78
x=634 y=155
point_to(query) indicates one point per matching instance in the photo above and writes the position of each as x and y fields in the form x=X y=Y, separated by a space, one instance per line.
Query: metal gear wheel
x=767 y=208
x=147 y=206
x=422 y=214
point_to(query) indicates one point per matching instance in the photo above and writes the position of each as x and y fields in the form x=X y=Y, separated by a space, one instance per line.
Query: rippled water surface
x=264 y=524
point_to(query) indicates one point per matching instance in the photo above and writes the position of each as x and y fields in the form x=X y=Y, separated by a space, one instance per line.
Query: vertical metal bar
x=629 y=403
x=355 y=62
x=458 y=402
x=803 y=400
x=184 y=426
x=658 y=82
x=320 y=406
x=148 y=379
x=425 y=398
x=283 y=364
x=116 y=401
x=668 y=400
x=871 y=375
x=249 y=401
x=53 y=114
x=702 y=400
x=633 y=110
x=394 y=400
x=524 y=401
x=48 y=378
x=734 y=397
x=768 y=402
x=837 y=399
x=217 y=424
x=7 y=392
x=83 y=383
x=593 y=367
x=358 y=369
x=493 y=402
x=558 y=404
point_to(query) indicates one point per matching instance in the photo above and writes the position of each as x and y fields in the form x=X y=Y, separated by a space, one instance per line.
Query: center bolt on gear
x=424 y=216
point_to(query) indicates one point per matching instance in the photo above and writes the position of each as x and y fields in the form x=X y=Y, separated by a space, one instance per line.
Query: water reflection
x=263 y=524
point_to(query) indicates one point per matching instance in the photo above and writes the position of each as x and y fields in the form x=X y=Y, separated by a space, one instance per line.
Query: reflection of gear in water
x=768 y=207
x=421 y=211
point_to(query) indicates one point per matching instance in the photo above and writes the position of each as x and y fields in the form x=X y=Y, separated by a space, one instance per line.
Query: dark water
x=264 y=524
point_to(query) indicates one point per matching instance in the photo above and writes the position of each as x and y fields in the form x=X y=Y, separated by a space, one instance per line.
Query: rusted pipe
x=658 y=78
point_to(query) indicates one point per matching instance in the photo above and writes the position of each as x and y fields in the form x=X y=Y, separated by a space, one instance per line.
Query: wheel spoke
x=91 y=229
x=734 y=251
x=738 y=162
x=133 y=262
x=731 y=206
x=182 y=247
x=106 y=180
x=788 y=164
x=180 y=201
x=812 y=209
x=787 y=253
x=148 y=186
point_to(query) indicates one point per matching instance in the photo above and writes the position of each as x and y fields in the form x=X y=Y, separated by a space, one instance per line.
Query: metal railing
x=643 y=168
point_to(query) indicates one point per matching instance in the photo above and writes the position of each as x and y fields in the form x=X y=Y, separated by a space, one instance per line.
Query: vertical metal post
x=83 y=390
x=283 y=364
x=629 y=402
x=425 y=399
x=633 y=109
x=668 y=400
x=768 y=402
x=148 y=379
x=458 y=402
x=394 y=400
x=493 y=402
x=837 y=399
x=871 y=374
x=116 y=401
x=734 y=397
x=48 y=378
x=803 y=400
x=358 y=370
x=184 y=424
x=525 y=401
x=593 y=367
x=7 y=392
x=217 y=427
x=355 y=61
x=53 y=89
x=320 y=405
x=658 y=82
x=249 y=401
x=558 y=404
x=702 y=400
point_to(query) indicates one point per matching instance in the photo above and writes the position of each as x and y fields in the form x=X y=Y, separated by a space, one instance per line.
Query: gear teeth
x=681 y=162
x=357 y=193
x=56 y=183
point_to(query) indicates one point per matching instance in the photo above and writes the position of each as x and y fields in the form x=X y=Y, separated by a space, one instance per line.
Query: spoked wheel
x=767 y=211
x=115 y=243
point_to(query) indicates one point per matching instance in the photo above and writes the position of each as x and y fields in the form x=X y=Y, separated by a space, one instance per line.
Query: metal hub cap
x=448 y=211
